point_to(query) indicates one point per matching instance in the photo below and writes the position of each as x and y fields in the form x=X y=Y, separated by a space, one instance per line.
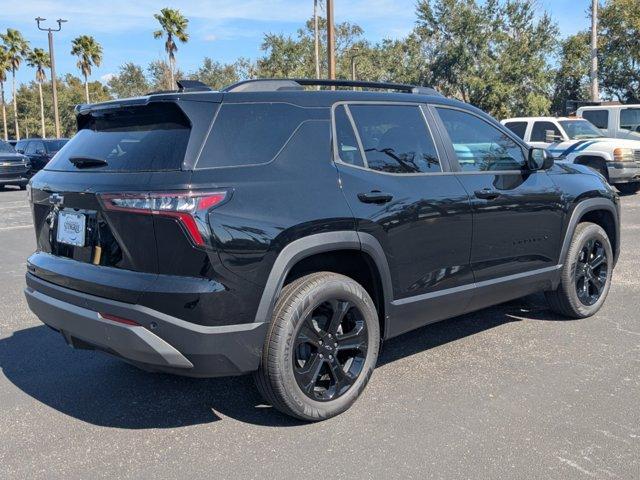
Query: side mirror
x=539 y=159
x=550 y=136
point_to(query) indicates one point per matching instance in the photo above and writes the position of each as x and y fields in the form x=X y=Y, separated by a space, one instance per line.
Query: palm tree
x=4 y=68
x=17 y=48
x=89 y=53
x=39 y=59
x=174 y=25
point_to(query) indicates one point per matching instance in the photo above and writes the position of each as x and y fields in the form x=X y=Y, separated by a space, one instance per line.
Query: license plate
x=71 y=228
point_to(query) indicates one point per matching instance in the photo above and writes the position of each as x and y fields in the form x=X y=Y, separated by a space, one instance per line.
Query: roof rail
x=192 y=86
x=269 y=85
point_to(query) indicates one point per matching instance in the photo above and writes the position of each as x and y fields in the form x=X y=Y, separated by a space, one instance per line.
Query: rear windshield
x=253 y=133
x=153 y=137
x=53 y=146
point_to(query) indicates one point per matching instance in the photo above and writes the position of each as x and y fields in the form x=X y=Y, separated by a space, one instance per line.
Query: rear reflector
x=189 y=208
x=117 y=319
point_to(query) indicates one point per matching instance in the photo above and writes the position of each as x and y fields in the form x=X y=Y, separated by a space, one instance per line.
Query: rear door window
x=252 y=133
x=35 y=147
x=395 y=138
x=348 y=149
x=153 y=137
x=519 y=128
x=600 y=118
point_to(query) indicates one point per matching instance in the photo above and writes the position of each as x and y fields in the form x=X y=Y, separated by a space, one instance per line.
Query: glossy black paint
x=446 y=249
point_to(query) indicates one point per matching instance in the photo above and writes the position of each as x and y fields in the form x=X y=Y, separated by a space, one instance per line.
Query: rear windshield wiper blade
x=87 y=162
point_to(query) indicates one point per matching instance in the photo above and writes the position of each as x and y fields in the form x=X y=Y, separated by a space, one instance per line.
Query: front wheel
x=585 y=275
x=321 y=347
x=628 y=188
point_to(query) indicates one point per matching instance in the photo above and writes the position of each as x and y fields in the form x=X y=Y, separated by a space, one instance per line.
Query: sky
x=220 y=29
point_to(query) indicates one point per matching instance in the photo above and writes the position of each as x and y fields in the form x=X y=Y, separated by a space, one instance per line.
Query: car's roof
x=539 y=119
x=610 y=107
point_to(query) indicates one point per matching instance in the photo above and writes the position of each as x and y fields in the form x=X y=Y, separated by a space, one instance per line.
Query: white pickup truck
x=575 y=140
x=614 y=121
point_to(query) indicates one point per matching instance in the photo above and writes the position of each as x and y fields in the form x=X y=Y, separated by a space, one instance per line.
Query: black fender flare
x=320 y=243
x=579 y=210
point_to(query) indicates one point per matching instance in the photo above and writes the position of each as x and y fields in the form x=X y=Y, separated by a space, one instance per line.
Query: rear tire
x=321 y=347
x=585 y=277
x=628 y=188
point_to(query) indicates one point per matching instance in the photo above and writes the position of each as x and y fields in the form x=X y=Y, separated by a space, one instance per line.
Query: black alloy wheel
x=591 y=271
x=330 y=349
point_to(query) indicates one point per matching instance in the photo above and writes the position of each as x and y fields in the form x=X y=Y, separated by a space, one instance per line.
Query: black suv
x=40 y=150
x=274 y=229
x=14 y=167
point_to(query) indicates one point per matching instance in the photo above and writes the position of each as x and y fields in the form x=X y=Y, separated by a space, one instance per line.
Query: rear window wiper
x=88 y=162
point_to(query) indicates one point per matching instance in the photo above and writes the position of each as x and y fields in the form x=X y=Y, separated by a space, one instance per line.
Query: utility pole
x=54 y=86
x=317 y=37
x=595 y=94
x=331 y=41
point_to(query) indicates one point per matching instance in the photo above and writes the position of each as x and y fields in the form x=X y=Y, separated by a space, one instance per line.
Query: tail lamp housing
x=188 y=208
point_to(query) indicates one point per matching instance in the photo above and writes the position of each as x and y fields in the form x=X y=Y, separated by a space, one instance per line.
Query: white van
x=614 y=121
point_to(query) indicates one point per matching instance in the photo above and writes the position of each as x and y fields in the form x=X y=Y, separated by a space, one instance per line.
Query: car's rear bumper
x=624 y=172
x=158 y=341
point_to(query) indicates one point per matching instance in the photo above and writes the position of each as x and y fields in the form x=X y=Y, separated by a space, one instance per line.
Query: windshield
x=6 y=148
x=580 y=129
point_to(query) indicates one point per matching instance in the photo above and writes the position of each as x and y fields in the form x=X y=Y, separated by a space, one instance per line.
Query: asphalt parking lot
x=513 y=391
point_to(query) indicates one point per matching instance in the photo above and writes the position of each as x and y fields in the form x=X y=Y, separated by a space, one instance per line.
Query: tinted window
x=395 y=138
x=539 y=131
x=6 y=148
x=149 y=138
x=35 y=148
x=480 y=146
x=348 y=149
x=53 y=146
x=21 y=146
x=519 y=128
x=600 y=118
x=630 y=119
x=250 y=133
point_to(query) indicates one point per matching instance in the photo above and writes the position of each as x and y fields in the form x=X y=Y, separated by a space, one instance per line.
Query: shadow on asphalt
x=104 y=391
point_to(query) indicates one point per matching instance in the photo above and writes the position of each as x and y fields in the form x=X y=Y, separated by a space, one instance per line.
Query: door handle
x=487 y=194
x=375 y=196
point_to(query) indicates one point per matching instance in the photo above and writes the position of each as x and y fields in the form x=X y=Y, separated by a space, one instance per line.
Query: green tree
x=572 y=75
x=129 y=82
x=39 y=59
x=619 y=49
x=174 y=26
x=17 y=49
x=5 y=66
x=160 y=75
x=492 y=54
x=89 y=53
x=218 y=75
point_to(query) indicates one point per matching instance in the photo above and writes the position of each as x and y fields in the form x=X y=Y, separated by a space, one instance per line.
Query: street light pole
x=595 y=94
x=331 y=41
x=54 y=86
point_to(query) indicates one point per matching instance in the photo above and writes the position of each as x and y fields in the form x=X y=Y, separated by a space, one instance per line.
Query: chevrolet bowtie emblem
x=56 y=200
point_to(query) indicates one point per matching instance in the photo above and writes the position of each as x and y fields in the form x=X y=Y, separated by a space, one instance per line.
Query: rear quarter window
x=152 y=137
x=253 y=133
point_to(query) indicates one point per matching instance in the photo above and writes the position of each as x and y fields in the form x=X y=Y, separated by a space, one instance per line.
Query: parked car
x=14 y=167
x=615 y=121
x=40 y=150
x=576 y=140
x=287 y=232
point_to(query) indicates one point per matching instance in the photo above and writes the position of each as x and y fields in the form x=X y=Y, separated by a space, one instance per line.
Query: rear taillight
x=189 y=208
